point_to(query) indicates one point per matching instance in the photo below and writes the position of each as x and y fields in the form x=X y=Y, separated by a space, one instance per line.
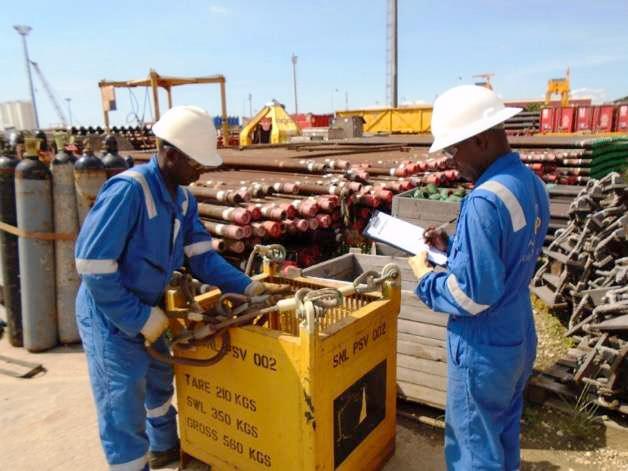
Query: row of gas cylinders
x=47 y=205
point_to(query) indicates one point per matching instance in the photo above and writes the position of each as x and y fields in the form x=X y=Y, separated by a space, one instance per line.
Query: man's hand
x=255 y=288
x=436 y=238
x=419 y=265
x=156 y=325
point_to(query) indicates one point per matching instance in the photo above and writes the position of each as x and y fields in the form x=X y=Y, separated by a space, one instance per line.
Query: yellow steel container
x=297 y=396
x=393 y=120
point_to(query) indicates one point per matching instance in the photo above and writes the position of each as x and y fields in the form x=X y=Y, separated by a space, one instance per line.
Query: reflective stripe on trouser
x=125 y=382
x=484 y=405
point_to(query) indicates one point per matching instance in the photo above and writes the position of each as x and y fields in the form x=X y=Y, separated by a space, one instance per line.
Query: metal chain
x=322 y=300
x=370 y=281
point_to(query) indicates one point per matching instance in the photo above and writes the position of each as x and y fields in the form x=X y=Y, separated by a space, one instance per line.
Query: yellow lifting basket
x=299 y=392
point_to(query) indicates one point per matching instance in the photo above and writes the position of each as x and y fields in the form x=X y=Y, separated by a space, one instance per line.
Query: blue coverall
x=491 y=334
x=130 y=243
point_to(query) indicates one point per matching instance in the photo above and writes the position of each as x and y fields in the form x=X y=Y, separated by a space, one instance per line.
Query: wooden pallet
x=557 y=382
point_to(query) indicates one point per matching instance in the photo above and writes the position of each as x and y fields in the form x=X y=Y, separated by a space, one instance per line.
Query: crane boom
x=51 y=95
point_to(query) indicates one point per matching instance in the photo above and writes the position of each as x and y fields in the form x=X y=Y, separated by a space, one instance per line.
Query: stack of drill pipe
x=394 y=185
x=379 y=196
x=290 y=200
x=237 y=215
x=436 y=178
x=585 y=272
x=203 y=193
x=229 y=245
x=584 y=159
x=275 y=165
x=230 y=231
x=524 y=123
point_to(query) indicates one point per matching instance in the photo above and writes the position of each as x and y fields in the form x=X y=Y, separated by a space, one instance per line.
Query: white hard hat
x=191 y=130
x=464 y=111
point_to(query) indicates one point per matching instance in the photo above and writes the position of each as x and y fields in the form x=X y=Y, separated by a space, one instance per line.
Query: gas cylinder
x=89 y=175
x=45 y=153
x=114 y=162
x=8 y=247
x=33 y=198
x=65 y=221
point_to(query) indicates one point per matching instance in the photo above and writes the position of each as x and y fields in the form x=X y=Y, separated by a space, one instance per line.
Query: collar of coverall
x=500 y=163
x=164 y=194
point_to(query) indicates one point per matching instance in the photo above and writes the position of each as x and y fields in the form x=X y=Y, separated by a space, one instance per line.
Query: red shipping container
x=584 y=119
x=603 y=118
x=547 y=119
x=565 y=119
x=321 y=120
x=309 y=120
x=621 y=124
x=300 y=119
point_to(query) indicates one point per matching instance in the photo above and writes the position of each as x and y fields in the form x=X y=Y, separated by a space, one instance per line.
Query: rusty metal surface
x=37 y=272
x=585 y=272
x=65 y=221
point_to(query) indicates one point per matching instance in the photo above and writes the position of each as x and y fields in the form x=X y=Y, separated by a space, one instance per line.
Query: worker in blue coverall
x=492 y=340
x=143 y=225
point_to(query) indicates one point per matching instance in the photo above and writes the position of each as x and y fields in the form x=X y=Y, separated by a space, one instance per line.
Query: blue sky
x=340 y=45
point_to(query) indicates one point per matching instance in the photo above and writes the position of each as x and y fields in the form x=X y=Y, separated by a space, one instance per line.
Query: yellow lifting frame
x=154 y=81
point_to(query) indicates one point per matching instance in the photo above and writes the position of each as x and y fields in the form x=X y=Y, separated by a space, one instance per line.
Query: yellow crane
x=487 y=80
x=559 y=86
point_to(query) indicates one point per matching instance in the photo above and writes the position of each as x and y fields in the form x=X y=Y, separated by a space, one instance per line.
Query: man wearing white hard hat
x=143 y=226
x=492 y=256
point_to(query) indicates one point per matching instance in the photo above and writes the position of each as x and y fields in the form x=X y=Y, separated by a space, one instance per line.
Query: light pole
x=334 y=91
x=294 y=82
x=250 y=105
x=69 y=102
x=23 y=31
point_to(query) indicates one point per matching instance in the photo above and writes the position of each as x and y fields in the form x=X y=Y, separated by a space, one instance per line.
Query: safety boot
x=160 y=459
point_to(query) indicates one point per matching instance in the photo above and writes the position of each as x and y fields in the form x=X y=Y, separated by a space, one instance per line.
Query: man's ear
x=170 y=157
x=481 y=141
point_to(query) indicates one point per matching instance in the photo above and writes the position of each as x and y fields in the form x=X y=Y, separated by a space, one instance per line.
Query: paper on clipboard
x=402 y=235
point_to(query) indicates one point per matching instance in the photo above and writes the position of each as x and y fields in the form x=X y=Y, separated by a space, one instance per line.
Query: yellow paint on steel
x=283 y=126
x=296 y=399
x=414 y=120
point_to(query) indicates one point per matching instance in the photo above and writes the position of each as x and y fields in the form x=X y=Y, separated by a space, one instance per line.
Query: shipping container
x=393 y=120
x=603 y=118
x=564 y=119
x=547 y=119
x=584 y=119
x=309 y=120
x=621 y=123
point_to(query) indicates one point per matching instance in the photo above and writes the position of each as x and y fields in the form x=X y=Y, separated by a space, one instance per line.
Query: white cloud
x=219 y=10
x=597 y=95
x=410 y=103
x=585 y=61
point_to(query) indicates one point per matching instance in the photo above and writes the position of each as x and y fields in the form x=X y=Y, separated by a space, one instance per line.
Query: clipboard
x=401 y=235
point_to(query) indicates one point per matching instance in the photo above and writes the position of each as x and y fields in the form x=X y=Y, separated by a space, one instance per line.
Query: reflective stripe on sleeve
x=148 y=196
x=517 y=217
x=86 y=266
x=134 y=465
x=197 y=248
x=186 y=201
x=461 y=297
x=160 y=410
x=175 y=231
